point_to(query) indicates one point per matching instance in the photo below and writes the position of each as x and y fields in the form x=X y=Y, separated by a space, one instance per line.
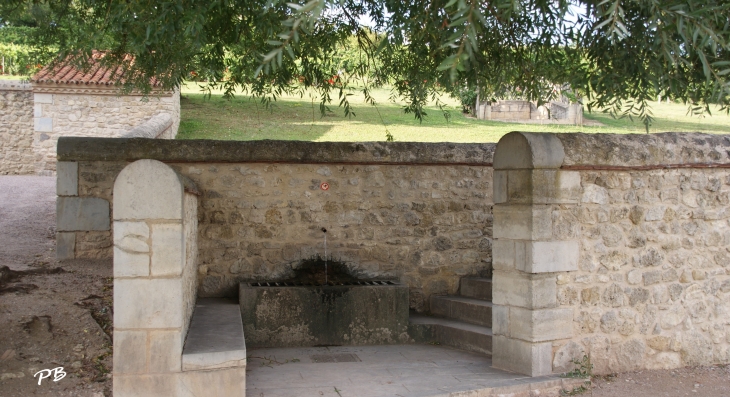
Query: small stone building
x=66 y=101
x=529 y=113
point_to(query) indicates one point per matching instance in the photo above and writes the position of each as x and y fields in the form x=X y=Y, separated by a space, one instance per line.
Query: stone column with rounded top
x=528 y=254
x=155 y=229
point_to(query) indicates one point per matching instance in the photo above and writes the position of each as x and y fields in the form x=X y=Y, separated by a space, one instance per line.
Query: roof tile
x=65 y=73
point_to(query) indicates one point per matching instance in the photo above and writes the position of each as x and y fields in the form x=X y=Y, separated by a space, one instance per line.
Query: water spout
x=324 y=231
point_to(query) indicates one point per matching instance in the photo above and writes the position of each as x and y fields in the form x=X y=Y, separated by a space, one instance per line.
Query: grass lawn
x=11 y=77
x=295 y=118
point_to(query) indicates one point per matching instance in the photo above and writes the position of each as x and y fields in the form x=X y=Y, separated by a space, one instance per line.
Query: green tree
x=617 y=54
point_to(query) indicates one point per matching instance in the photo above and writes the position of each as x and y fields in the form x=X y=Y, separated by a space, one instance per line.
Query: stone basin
x=290 y=314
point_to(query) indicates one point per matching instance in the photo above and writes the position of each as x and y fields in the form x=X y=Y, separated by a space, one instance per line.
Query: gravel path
x=49 y=317
x=27 y=219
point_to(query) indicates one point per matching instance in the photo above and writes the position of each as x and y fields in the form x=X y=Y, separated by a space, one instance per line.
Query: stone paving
x=388 y=370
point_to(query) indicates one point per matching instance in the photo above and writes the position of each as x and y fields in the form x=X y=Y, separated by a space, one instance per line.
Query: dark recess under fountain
x=314 y=308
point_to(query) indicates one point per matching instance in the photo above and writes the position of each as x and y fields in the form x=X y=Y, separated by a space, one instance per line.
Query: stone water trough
x=309 y=309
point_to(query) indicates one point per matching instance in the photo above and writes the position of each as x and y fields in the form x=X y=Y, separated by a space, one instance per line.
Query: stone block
x=522 y=222
x=500 y=320
x=475 y=287
x=458 y=308
x=215 y=338
x=165 y=351
x=219 y=383
x=132 y=237
x=65 y=245
x=128 y=264
x=148 y=303
x=540 y=325
x=526 y=150
x=569 y=187
x=168 y=249
x=503 y=254
x=148 y=189
x=37 y=110
x=595 y=194
x=43 y=98
x=500 y=187
x=131 y=249
x=520 y=186
x=131 y=352
x=532 y=359
x=81 y=214
x=157 y=385
x=546 y=256
x=541 y=186
x=67 y=178
x=42 y=124
x=524 y=290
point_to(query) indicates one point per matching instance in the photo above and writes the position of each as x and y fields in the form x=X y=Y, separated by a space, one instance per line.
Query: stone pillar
x=575 y=113
x=75 y=214
x=155 y=228
x=529 y=190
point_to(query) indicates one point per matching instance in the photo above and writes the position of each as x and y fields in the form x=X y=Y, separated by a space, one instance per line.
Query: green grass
x=295 y=118
x=11 y=77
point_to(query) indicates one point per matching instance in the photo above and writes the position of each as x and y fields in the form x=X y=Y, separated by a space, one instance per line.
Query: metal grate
x=335 y=358
x=331 y=283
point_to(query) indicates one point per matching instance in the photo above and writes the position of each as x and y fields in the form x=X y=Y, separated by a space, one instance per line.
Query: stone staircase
x=463 y=321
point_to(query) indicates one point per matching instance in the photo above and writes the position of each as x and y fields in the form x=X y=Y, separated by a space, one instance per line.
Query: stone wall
x=16 y=128
x=652 y=289
x=63 y=110
x=611 y=246
x=33 y=117
x=415 y=212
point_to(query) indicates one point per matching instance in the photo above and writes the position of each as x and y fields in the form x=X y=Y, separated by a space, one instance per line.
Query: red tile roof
x=97 y=74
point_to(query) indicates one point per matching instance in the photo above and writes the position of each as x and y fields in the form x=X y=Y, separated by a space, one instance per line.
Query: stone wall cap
x=528 y=150
x=131 y=149
x=661 y=150
x=152 y=128
x=15 y=85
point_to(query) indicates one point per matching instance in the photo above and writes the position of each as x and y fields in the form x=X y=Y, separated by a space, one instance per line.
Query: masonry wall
x=16 y=128
x=65 y=110
x=637 y=228
x=415 y=212
x=33 y=117
x=652 y=289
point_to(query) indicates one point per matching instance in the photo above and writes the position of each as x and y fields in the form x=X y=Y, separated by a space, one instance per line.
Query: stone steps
x=476 y=287
x=470 y=310
x=462 y=321
x=471 y=337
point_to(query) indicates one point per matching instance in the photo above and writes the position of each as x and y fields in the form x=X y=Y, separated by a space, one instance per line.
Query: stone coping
x=15 y=85
x=94 y=89
x=637 y=151
x=215 y=338
x=212 y=151
x=152 y=128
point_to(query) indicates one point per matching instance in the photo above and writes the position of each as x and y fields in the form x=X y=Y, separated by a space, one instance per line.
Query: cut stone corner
x=531 y=359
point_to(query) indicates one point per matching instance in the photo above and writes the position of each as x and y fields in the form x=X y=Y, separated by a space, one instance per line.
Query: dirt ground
x=700 y=381
x=51 y=317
